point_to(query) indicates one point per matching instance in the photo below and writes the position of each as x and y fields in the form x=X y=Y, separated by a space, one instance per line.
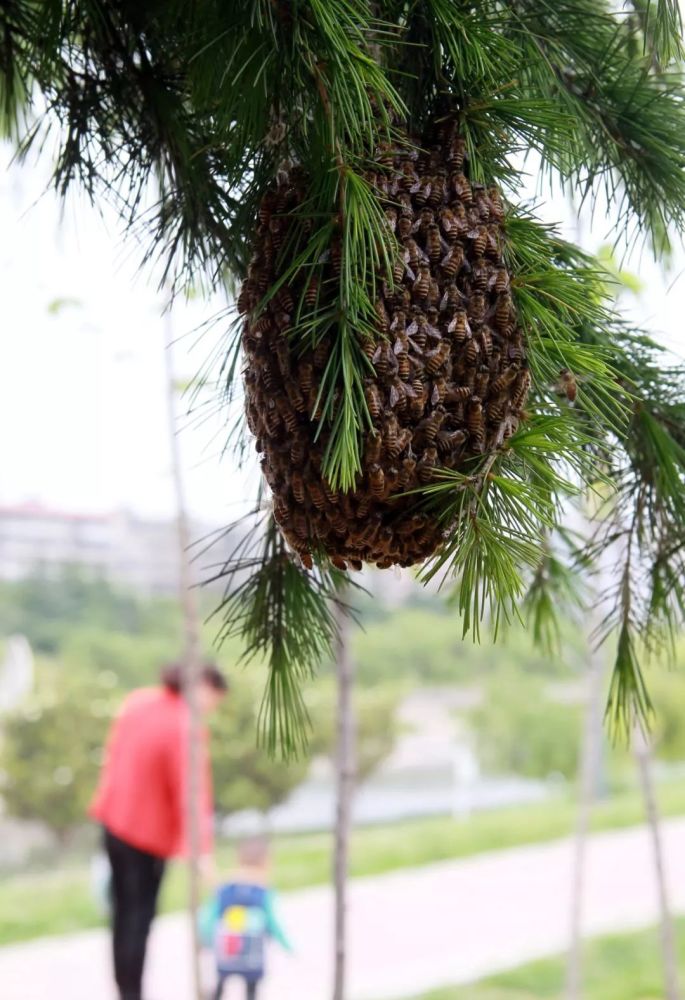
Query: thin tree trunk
x=589 y=774
x=643 y=758
x=345 y=780
x=191 y=659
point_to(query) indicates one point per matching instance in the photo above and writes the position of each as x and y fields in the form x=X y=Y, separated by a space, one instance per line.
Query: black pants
x=250 y=989
x=136 y=877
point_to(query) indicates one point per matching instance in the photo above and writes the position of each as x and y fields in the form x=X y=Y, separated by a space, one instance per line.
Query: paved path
x=410 y=931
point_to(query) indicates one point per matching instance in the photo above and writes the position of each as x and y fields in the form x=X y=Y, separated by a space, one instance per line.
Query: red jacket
x=141 y=797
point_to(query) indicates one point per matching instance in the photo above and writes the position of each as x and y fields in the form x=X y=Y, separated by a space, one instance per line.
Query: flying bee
x=377 y=481
x=521 y=387
x=479 y=236
x=503 y=311
x=428 y=428
x=480 y=272
x=504 y=380
x=433 y=243
x=373 y=400
x=499 y=280
x=451 y=263
x=477 y=307
x=567 y=385
x=480 y=385
x=449 y=441
x=461 y=187
x=475 y=423
x=471 y=352
x=421 y=286
x=426 y=465
x=297 y=485
x=373 y=447
x=437 y=358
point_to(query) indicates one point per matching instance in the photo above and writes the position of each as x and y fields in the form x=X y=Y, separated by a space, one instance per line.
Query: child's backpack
x=241 y=930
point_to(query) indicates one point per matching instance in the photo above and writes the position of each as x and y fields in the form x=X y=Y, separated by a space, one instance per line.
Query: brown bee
x=499 y=280
x=457 y=394
x=363 y=508
x=426 y=466
x=298 y=451
x=504 y=380
x=263 y=325
x=373 y=400
x=461 y=187
x=297 y=485
x=384 y=359
x=314 y=404
x=496 y=206
x=373 y=447
x=305 y=375
x=331 y=495
x=266 y=207
x=391 y=219
x=336 y=257
x=273 y=420
x=477 y=307
x=414 y=254
x=339 y=563
x=456 y=151
x=449 y=224
x=283 y=356
x=452 y=262
x=496 y=410
x=421 y=286
x=421 y=190
x=521 y=387
x=437 y=358
x=459 y=327
x=438 y=390
x=429 y=427
x=480 y=240
x=567 y=385
x=284 y=299
x=433 y=243
x=400 y=266
x=449 y=441
x=480 y=385
x=471 y=352
x=475 y=423
x=382 y=318
x=377 y=481
x=316 y=494
x=425 y=219
x=480 y=272
x=485 y=338
x=503 y=311
x=321 y=353
x=407 y=471
x=288 y=414
x=397 y=397
x=312 y=291
x=404 y=227
x=296 y=398
x=433 y=296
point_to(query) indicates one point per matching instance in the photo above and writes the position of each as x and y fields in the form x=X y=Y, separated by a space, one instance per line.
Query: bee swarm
x=449 y=376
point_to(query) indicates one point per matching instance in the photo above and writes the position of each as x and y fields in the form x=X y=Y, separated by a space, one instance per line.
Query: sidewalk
x=410 y=931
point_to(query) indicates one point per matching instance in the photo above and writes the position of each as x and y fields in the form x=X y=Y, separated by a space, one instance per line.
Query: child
x=244 y=910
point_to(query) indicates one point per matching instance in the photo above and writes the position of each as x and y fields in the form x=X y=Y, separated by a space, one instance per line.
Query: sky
x=82 y=376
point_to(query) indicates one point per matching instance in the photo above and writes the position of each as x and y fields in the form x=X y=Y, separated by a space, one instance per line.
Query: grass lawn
x=625 y=967
x=57 y=902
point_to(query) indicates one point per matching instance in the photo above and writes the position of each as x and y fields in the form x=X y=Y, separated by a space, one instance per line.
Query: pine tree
x=276 y=146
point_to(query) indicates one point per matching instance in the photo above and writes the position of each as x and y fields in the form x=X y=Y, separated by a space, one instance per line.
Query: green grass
x=625 y=967
x=57 y=902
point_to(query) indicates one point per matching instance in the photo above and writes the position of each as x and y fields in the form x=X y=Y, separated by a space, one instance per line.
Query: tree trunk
x=643 y=758
x=191 y=658
x=589 y=775
x=345 y=775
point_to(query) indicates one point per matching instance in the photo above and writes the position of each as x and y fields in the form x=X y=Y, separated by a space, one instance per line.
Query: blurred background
x=481 y=767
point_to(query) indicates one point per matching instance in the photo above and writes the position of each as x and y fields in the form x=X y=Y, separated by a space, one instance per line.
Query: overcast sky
x=82 y=404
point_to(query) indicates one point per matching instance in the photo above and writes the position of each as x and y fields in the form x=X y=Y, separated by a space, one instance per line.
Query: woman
x=141 y=803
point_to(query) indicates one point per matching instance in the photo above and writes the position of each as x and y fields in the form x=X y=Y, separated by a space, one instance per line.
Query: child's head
x=254 y=852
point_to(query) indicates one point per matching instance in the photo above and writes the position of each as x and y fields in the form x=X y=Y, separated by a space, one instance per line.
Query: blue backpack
x=241 y=930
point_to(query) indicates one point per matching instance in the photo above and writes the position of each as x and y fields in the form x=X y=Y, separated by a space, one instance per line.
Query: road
x=411 y=930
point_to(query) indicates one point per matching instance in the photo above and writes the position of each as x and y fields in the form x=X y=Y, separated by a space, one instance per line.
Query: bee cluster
x=448 y=377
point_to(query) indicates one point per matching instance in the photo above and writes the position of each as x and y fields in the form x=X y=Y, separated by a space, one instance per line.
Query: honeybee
x=449 y=224
x=461 y=187
x=391 y=219
x=425 y=219
x=361 y=512
x=426 y=465
x=429 y=426
x=263 y=325
x=567 y=385
x=297 y=485
x=336 y=257
x=421 y=286
x=384 y=360
x=449 y=441
x=477 y=307
x=382 y=318
x=339 y=563
x=480 y=385
x=459 y=327
x=305 y=375
x=404 y=227
x=331 y=495
x=397 y=397
x=480 y=273
x=503 y=380
x=475 y=423
x=437 y=358
x=433 y=243
x=503 y=311
x=496 y=206
x=312 y=291
x=421 y=189
x=499 y=280
x=316 y=495
x=438 y=390
x=284 y=299
x=521 y=388
x=414 y=254
x=479 y=235
x=296 y=398
x=321 y=353
x=456 y=151
x=457 y=394
x=471 y=352
x=407 y=471
x=400 y=266
x=433 y=296
x=496 y=409
x=377 y=481
x=314 y=404
x=373 y=400
x=373 y=447
x=452 y=262
x=298 y=451
x=485 y=337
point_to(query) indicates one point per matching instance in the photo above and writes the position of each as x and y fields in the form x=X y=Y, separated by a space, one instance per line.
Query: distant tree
x=50 y=754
